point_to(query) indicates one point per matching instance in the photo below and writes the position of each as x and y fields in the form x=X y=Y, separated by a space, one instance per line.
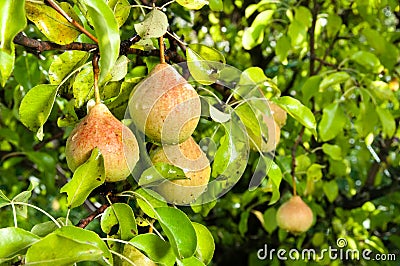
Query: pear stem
x=161 y=44
x=95 y=63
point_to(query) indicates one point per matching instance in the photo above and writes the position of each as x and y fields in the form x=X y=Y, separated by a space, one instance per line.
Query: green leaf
x=334 y=151
x=270 y=220
x=51 y=23
x=333 y=79
x=367 y=60
x=179 y=230
x=216 y=5
x=45 y=228
x=12 y=21
x=303 y=15
x=205 y=243
x=204 y=63
x=387 y=120
x=192 y=4
x=121 y=9
x=83 y=236
x=275 y=177
x=83 y=87
x=332 y=122
x=15 y=241
x=36 y=106
x=86 y=178
x=155 y=248
x=314 y=172
x=297 y=32
x=120 y=214
x=192 y=261
x=107 y=31
x=310 y=87
x=148 y=200
x=334 y=24
x=59 y=250
x=154 y=25
x=64 y=64
x=24 y=196
x=159 y=172
x=282 y=48
x=120 y=69
x=298 y=111
x=331 y=190
x=254 y=35
x=243 y=222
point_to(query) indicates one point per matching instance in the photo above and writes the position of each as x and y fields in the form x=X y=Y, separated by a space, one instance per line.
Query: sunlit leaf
x=87 y=177
x=155 y=248
x=204 y=63
x=367 y=60
x=179 y=230
x=65 y=64
x=331 y=190
x=148 y=200
x=159 y=173
x=24 y=196
x=192 y=4
x=254 y=35
x=51 y=23
x=387 y=120
x=121 y=9
x=120 y=214
x=205 y=243
x=298 y=111
x=12 y=21
x=333 y=79
x=154 y=25
x=15 y=241
x=334 y=151
x=36 y=106
x=107 y=32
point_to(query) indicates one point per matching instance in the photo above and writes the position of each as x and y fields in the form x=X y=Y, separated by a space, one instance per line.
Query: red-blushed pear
x=294 y=216
x=116 y=142
x=194 y=163
x=165 y=106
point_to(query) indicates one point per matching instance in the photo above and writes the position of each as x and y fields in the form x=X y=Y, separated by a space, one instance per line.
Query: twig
x=312 y=37
x=56 y=7
x=162 y=48
x=85 y=221
x=95 y=63
x=294 y=149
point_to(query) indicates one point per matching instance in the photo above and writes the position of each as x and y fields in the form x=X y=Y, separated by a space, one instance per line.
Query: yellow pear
x=192 y=160
x=294 y=216
x=116 y=142
x=278 y=114
x=165 y=106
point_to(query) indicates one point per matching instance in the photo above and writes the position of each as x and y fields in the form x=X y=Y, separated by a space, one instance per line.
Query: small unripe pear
x=194 y=163
x=116 y=142
x=165 y=106
x=294 y=216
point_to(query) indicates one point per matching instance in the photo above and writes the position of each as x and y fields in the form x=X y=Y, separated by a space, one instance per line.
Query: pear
x=116 y=142
x=294 y=216
x=165 y=106
x=194 y=163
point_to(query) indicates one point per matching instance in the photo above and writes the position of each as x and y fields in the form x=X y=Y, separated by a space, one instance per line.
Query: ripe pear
x=294 y=216
x=116 y=142
x=165 y=106
x=194 y=163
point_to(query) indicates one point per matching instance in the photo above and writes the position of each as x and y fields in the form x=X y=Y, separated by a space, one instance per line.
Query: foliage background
x=340 y=58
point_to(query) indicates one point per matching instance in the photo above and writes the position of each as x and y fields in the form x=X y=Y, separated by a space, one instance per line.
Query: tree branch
x=294 y=149
x=312 y=37
x=85 y=221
